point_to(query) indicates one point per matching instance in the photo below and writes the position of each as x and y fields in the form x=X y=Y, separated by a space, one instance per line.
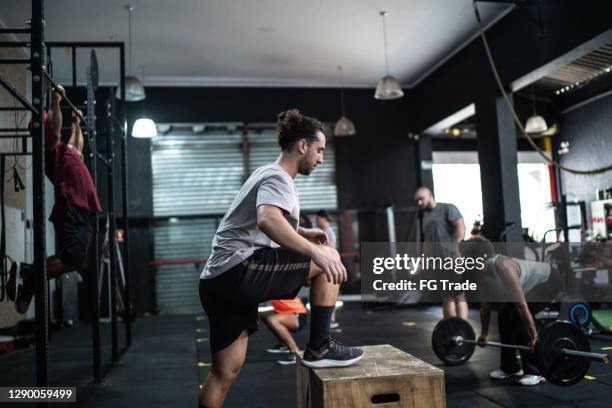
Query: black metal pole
x=73 y=107
x=74 y=70
x=84 y=44
x=14 y=44
x=38 y=196
x=126 y=219
x=94 y=265
x=22 y=30
x=58 y=318
x=13 y=91
x=13 y=61
x=110 y=199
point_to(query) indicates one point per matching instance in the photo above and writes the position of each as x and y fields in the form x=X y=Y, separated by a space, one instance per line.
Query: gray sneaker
x=280 y=348
x=290 y=360
x=331 y=354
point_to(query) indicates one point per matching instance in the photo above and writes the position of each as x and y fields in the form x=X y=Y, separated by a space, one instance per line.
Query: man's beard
x=304 y=168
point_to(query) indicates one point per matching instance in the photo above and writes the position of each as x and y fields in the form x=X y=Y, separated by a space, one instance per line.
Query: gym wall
x=15 y=202
x=588 y=128
x=380 y=147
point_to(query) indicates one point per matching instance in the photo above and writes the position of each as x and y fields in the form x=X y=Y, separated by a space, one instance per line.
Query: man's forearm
x=527 y=319
x=55 y=118
x=280 y=231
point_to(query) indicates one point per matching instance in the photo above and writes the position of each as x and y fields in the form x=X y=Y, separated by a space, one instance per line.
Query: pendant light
x=134 y=89
x=344 y=126
x=144 y=128
x=388 y=87
x=536 y=123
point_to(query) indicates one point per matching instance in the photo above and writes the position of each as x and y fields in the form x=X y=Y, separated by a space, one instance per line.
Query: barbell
x=563 y=351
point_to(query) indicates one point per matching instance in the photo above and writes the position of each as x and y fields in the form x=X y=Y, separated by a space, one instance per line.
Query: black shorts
x=74 y=228
x=231 y=299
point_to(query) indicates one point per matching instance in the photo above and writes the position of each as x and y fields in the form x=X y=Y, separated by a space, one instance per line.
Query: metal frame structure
x=39 y=52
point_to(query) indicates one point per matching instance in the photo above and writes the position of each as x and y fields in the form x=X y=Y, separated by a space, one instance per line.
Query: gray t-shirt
x=439 y=230
x=531 y=273
x=238 y=235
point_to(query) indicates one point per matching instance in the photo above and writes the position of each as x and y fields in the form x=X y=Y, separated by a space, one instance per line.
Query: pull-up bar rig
x=37 y=48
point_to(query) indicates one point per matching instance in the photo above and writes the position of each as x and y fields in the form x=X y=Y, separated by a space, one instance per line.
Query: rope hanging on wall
x=515 y=116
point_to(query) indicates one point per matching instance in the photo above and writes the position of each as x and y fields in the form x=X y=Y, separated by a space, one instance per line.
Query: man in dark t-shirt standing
x=443 y=229
x=74 y=212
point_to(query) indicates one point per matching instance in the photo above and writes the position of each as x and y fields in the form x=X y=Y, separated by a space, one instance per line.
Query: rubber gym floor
x=169 y=358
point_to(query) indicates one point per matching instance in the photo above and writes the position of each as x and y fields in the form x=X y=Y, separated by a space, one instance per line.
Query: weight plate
x=580 y=314
x=446 y=348
x=555 y=367
x=93 y=64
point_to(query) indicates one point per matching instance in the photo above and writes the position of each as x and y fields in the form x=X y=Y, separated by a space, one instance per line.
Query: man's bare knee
x=225 y=375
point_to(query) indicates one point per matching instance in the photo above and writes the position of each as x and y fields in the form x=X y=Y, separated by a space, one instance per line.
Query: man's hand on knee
x=328 y=260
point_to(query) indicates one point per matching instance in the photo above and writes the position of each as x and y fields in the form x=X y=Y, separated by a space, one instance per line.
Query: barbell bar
x=599 y=357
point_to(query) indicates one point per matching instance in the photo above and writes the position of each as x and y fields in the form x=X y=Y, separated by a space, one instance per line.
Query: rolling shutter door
x=195 y=175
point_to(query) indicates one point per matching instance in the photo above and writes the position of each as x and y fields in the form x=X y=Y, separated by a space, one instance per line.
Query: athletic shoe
x=531 y=379
x=334 y=324
x=280 y=348
x=501 y=375
x=11 y=284
x=331 y=354
x=287 y=361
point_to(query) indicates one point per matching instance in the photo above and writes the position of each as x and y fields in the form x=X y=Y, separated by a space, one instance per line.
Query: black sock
x=319 y=325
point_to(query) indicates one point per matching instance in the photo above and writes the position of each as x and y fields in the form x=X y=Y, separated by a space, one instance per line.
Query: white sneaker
x=501 y=375
x=531 y=379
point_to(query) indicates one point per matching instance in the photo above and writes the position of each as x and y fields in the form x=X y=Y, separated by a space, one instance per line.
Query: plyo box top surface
x=379 y=361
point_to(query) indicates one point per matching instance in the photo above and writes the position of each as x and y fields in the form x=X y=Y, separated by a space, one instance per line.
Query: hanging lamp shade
x=387 y=88
x=536 y=124
x=134 y=90
x=344 y=127
x=144 y=128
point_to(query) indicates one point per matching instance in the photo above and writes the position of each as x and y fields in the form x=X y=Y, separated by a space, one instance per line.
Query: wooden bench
x=385 y=377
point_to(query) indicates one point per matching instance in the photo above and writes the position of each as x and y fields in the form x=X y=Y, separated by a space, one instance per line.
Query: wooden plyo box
x=385 y=377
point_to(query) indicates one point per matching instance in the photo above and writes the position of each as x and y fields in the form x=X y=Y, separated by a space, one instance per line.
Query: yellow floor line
x=201 y=339
x=408 y=324
x=203 y=364
x=589 y=377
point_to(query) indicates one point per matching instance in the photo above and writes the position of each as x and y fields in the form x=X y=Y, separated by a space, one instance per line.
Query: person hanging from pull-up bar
x=74 y=211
